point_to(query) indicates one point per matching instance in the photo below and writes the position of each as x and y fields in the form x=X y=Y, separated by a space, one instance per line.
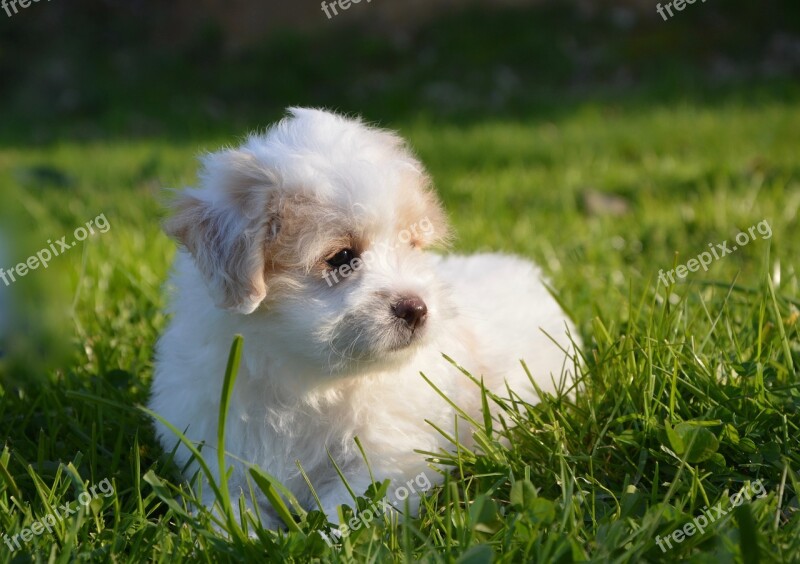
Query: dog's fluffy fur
x=325 y=362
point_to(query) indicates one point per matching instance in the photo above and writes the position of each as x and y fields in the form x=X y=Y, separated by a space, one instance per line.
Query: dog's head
x=316 y=229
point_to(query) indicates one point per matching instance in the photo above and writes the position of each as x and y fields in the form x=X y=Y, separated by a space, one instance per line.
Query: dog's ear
x=226 y=226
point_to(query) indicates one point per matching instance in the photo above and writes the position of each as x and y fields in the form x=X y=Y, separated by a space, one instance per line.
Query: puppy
x=311 y=241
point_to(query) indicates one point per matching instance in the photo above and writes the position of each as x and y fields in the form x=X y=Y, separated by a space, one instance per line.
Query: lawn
x=688 y=394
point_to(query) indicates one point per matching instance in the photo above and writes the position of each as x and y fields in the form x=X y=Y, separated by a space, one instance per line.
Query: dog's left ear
x=226 y=225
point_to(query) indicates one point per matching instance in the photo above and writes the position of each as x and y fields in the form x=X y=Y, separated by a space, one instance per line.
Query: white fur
x=324 y=364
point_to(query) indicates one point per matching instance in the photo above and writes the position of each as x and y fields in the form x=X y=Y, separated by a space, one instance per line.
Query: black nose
x=413 y=310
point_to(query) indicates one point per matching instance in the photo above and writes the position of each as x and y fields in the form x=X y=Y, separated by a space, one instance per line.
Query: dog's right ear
x=226 y=226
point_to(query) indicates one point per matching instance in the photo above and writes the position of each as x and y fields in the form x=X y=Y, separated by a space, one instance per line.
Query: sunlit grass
x=595 y=476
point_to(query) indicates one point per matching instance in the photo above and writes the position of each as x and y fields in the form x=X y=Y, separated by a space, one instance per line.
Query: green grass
x=687 y=394
x=600 y=475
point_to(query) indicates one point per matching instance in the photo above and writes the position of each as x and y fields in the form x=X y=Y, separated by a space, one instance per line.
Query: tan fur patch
x=421 y=214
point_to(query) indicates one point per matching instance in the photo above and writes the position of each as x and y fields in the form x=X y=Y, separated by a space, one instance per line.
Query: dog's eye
x=345 y=256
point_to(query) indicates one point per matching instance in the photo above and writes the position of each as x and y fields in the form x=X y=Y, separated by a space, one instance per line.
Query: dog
x=312 y=241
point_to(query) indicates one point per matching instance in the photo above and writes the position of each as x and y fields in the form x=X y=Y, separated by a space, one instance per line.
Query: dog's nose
x=412 y=310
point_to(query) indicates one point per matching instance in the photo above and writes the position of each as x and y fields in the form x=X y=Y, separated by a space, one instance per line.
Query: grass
x=688 y=393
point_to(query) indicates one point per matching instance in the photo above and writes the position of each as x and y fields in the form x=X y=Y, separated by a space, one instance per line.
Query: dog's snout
x=412 y=310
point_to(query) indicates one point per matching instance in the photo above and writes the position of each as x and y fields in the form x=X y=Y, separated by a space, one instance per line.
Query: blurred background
x=592 y=135
x=143 y=69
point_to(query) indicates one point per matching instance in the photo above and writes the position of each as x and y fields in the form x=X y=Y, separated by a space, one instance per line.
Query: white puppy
x=309 y=240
